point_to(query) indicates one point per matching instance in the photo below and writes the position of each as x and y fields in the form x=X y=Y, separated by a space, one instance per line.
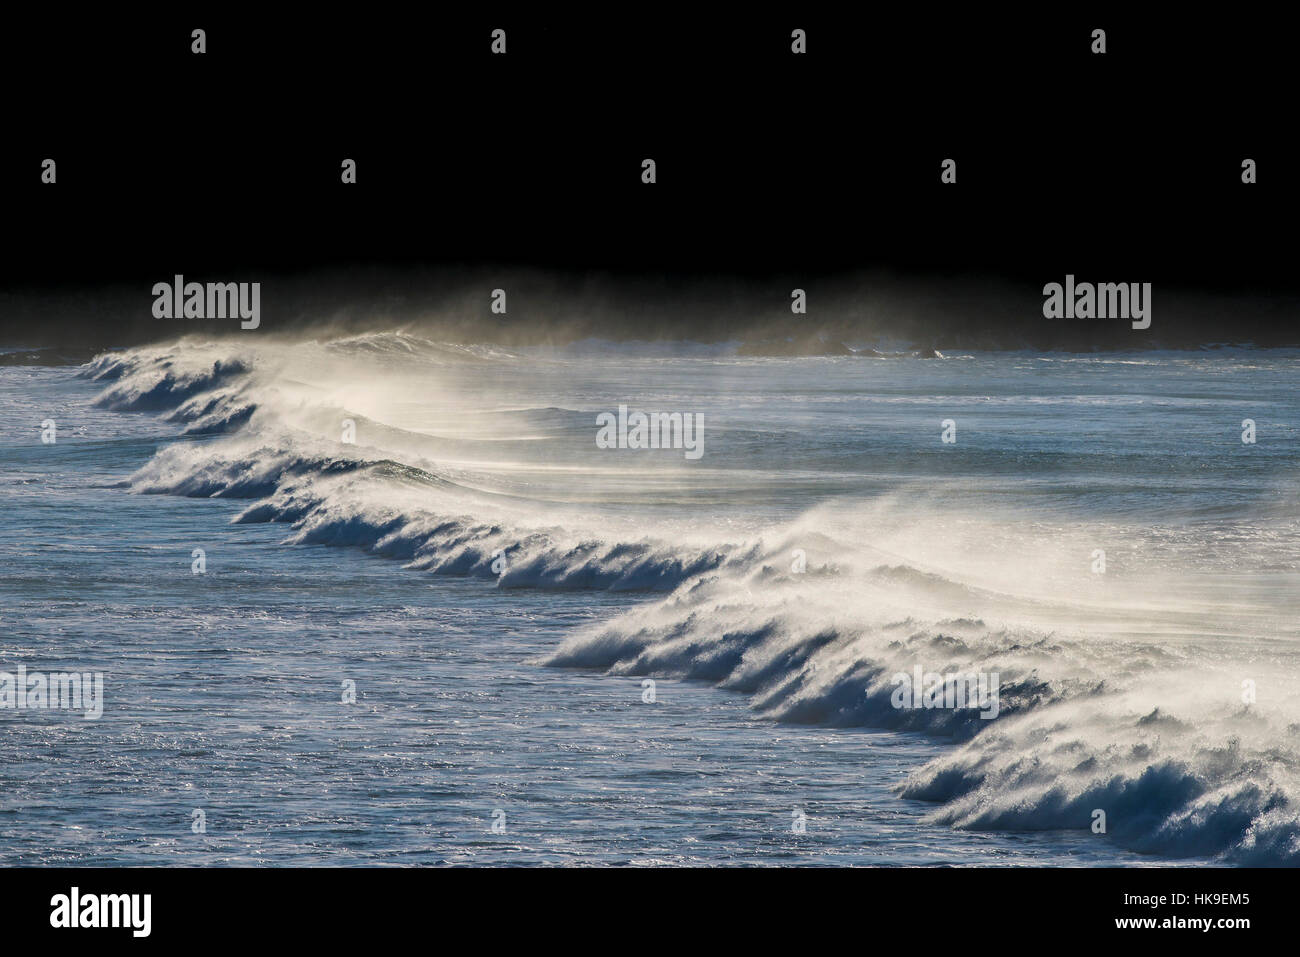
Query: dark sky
x=1124 y=166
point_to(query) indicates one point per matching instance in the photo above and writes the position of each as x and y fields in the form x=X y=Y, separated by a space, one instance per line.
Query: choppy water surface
x=499 y=589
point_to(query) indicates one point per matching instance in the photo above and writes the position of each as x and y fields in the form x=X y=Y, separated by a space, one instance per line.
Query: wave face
x=1113 y=553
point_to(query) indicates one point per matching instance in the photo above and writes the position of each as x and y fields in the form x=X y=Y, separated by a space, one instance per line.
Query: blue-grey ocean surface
x=569 y=654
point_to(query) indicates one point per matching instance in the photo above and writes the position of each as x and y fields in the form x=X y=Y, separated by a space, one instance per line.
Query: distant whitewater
x=829 y=539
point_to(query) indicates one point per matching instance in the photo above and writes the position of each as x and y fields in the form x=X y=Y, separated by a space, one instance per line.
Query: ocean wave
x=155 y=380
x=1159 y=742
x=400 y=344
x=1153 y=734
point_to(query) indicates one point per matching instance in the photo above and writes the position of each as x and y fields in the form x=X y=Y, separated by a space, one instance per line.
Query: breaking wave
x=1121 y=699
